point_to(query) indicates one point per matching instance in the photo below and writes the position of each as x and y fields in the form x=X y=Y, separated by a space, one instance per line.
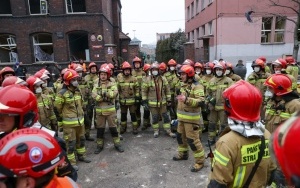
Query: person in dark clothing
x=20 y=70
x=240 y=69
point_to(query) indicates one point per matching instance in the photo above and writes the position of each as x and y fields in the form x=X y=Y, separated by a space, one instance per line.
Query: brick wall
x=189 y=51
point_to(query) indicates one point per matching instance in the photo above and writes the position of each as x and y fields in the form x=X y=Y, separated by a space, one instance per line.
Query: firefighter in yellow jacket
x=139 y=74
x=230 y=73
x=243 y=142
x=89 y=113
x=69 y=105
x=292 y=68
x=128 y=88
x=257 y=78
x=45 y=107
x=189 y=113
x=283 y=103
x=172 y=80
x=156 y=96
x=104 y=93
x=215 y=88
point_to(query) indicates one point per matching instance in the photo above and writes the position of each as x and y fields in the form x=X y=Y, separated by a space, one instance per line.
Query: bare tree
x=294 y=7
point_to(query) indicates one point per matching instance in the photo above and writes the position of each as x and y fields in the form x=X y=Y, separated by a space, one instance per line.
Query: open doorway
x=206 y=49
x=78 y=45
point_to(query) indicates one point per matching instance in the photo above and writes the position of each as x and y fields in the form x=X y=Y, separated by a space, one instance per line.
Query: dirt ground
x=146 y=163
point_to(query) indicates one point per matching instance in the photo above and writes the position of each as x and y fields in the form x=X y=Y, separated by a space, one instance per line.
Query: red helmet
x=189 y=70
x=209 y=65
x=13 y=80
x=62 y=72
x=126 y=65
x=263 y=58
x=24 y=107
x=69 y=75
x=29 y=152
x=105 y=69
x=280 y=62
x=146 y=67
x=42 y=75
x=111 y=66
x=33 y=81
x=103 y=65
x=172 y=62
x=220 y=65
x=7 y=70
x=136 y=59
x=92 y=64
x=76 y=67
x=280 y=83
x=188 y=62
x=154 y=65
x=285 y=148
x=242 y=101
x=229 y=65
x=258 y=62
x=162 y=66
x=199 y=65
x=290 y=60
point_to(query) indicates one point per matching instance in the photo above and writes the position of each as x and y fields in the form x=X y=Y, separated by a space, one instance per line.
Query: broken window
x=43 y=47
x=78 y=45
x=38 y=6
x=75 y=6
x=8 y=48
x=266 y=29
x=279 y=29
x=5 y=7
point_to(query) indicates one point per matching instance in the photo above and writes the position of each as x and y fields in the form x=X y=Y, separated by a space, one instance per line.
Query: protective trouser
x=216 y=117
x=156 y=112
x=124 y=109
x=100 y=125
x=75 y=140
x=188 y=136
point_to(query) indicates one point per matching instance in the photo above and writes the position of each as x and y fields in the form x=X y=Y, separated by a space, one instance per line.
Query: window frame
x=67 y=10
x=270 y=33
x=47 y=10
x=37 y=43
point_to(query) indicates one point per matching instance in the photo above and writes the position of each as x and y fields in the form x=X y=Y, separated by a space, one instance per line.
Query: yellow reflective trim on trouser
x=81 y=151
x=271 y=112
x=71 y=156
x=285 y=115
x=166 y=125
x=154 y=103
x=155 y=126
x=72 y=121
x=182 y=149
x=187 y=117
x=199 y=154
x=239 y=176
x=221 y=158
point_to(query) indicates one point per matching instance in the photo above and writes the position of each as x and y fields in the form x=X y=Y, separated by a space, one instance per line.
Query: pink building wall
x=232 y=30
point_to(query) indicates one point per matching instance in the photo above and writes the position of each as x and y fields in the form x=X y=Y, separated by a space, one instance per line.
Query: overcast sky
x=148 y=17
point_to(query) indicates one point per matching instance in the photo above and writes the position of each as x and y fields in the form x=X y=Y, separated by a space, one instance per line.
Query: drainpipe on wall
x=216 y=49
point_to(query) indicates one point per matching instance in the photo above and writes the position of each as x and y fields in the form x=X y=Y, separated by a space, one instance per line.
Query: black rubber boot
x=83 y=159
x=119 y=148
x=184 y=156
x=98 y=149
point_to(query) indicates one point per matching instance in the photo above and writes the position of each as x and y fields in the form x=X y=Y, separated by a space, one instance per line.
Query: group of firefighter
x=187 y=97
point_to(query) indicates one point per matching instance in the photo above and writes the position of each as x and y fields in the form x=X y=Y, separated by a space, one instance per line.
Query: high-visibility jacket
x=57 y=85
x=190 y=111
x=128 y=88
x=156 y=90
x=104 y=93
x=215 y=88
x=258 y=81
x=234 y=77
x=278 y=112
x=45 y=111
x=234 y=158
x=90 y=80
x=62 y=182
x=293 y=70
x=205 y=79
x=172 y=80
x=69 y=105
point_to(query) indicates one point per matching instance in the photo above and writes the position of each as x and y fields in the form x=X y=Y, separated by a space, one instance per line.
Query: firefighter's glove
x=145 y=104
